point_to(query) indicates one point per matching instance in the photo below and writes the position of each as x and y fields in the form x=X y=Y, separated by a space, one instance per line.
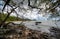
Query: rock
x=22 y=32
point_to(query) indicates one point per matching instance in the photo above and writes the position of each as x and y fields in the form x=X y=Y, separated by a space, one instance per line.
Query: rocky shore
x=22 y=32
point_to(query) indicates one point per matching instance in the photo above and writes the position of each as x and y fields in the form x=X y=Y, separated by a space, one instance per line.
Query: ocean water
x=44 y=26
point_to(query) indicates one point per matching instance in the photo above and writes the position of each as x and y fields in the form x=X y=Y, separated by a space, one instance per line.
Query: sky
x=31 y=14
x=1 y=5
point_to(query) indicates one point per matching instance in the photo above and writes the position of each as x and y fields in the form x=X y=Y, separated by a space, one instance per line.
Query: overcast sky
x=32 y=15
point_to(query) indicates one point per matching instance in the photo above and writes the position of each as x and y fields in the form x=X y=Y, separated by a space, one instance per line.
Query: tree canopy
x=43 y=7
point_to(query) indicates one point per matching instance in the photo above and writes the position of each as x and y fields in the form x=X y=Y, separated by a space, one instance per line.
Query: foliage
x=11 y=18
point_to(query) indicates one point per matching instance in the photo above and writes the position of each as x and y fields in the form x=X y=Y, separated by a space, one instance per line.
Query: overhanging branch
x=32 y=6
x=7 y=16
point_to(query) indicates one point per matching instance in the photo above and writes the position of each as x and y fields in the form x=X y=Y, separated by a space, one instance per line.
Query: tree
x=49 y=6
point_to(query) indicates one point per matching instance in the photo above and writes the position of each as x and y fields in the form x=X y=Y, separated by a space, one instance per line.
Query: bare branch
x=7 y=2
x=7 y=17
x=32 y=6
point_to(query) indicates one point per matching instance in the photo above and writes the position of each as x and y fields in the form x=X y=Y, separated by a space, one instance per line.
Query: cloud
x=31 y=13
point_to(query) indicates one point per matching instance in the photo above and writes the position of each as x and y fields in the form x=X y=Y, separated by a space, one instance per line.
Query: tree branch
x=32 y=6
x=7 y=17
